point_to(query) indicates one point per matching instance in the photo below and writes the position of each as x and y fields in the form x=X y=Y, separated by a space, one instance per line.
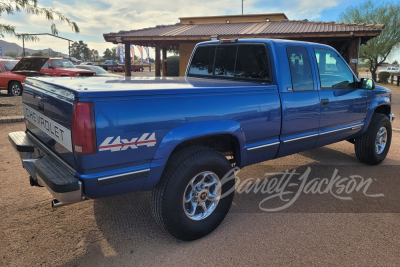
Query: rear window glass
x=203 y=61
x=252 y=62
x=242 y=61
x=225 y=60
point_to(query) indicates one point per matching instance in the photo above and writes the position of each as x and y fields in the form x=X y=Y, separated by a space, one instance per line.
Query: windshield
x=62 y=63
x=96 y=69
x=9 y=65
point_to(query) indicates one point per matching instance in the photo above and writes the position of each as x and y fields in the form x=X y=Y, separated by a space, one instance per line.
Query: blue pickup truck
x=241 y=102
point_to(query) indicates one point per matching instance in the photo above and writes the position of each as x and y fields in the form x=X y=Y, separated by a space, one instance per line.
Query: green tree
x=107 y=55
x=38 y=54
x=27 y=54
x=114 y=54
x=31 y=7
x=11 y=54
x=395 y=62
x=80 y=47
x=376 y=50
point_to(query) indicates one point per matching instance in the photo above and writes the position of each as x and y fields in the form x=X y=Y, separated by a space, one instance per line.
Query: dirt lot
x=120 y=231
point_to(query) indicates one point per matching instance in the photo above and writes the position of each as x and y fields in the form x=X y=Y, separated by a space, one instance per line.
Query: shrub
x=173 y=66
x=384 y=76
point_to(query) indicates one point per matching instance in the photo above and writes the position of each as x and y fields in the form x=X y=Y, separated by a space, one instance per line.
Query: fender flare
x=375 y=103
x=184 y=133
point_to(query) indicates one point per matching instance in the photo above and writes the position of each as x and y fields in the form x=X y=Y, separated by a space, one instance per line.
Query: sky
x=95 y=17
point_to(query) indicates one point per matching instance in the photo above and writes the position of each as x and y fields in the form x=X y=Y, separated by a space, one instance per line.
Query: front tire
x=187 y=201
x=15 y=89
x=373 y=146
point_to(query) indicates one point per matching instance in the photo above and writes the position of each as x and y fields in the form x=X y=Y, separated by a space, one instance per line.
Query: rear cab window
x=235 y=61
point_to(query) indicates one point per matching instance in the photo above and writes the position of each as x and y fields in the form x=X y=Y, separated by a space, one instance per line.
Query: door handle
x=41 y=106
x=325 y=102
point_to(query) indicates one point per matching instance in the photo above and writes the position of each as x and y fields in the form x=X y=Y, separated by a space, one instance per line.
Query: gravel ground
x=10 y=105
x=120 y=231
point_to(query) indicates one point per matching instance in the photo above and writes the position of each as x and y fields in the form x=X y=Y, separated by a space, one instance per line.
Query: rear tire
x=15 y=89
x=373 y=146
x=169 y=198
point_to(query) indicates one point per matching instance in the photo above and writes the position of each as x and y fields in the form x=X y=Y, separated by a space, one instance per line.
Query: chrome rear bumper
x=47 y=169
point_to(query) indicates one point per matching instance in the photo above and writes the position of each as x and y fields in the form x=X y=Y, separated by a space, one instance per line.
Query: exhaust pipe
x=56 y=204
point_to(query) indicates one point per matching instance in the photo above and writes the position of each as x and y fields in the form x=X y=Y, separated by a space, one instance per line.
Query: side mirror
x=367 y=84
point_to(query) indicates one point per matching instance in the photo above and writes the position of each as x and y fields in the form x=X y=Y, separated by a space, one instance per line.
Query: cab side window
x=333 y=71
x=300 y=68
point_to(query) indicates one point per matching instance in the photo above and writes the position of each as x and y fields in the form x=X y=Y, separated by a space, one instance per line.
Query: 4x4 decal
x=123 y=144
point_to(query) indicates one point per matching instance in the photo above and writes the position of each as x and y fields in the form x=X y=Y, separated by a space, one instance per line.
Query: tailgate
x=48 y=112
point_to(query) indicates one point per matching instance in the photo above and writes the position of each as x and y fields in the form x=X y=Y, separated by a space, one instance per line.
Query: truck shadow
x=127 y=227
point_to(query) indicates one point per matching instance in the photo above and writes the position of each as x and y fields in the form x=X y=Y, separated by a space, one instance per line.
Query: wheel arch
x=377 y=105
x=211 y=134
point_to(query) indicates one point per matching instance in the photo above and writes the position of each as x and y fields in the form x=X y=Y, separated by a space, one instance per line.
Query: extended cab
x=241 y=102
x=64 y=68
x=14 y=72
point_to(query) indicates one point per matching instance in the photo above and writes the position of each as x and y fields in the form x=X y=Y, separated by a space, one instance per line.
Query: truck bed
x=145 y=86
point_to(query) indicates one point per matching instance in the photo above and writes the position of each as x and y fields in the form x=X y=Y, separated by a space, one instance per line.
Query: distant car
x=100 y=72
x=113 y=65
x=74 y=60
x=14 y=72
x=392 y=69
x=64 y=68
x=89 y=63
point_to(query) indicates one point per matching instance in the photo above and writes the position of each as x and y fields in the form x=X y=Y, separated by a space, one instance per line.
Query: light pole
x=23 y=41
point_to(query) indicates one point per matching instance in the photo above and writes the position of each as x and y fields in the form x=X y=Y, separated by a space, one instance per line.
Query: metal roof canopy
x=344 y=37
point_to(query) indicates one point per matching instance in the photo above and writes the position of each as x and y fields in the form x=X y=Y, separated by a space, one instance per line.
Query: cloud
x=102 y=16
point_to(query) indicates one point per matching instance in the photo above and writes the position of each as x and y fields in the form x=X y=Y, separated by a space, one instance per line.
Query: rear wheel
x=373 y=146
x=187 y=201
x=15 y=89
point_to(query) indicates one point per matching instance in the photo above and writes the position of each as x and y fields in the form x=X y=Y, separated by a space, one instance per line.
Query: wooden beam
x=127 y=59
x=157 y=59
x=354 y=49
x=164 y=62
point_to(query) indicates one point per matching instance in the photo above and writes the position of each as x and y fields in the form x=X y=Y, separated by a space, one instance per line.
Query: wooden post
x=354 y=54
x=157 y=63
x=127 y=59
x=164 y=62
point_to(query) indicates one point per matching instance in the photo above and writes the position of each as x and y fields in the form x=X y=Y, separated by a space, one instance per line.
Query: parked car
x=242 y=102
x=88 y=63
x=14 y=72
x=74 y=60
x=392 y=69
x=100 y=72
x=112 y=65
x=115 y=66
x=64 y=68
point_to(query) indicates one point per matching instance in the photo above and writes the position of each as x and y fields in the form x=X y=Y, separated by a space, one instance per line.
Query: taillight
x=83 y=128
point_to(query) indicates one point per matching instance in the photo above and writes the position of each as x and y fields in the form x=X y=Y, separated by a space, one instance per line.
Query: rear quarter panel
x=252 y=116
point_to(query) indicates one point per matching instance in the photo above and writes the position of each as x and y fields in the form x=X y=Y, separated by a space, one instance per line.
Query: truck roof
x=264 y=40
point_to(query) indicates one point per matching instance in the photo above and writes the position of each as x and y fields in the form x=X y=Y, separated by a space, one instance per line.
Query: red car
x=14 y=72
x=64 y=68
